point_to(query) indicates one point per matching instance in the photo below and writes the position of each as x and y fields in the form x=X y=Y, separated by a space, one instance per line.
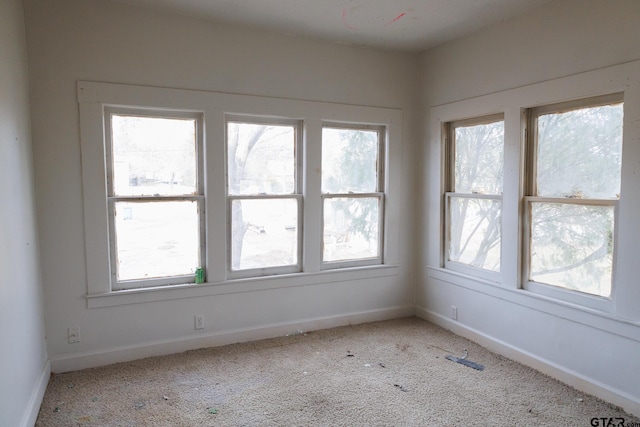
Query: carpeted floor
x=391 y=373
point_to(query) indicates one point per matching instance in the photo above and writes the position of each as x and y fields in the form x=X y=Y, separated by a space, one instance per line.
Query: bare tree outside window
x=154 y=197
x=264 y=194
x=578 y=160
x=474 y=199
x=352 y=188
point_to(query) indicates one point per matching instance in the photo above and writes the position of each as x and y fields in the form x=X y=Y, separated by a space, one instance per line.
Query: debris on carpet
x=463 y=361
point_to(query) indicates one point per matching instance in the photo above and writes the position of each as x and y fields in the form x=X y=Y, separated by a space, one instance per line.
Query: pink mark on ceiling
x=344 y=20
x=397 y=18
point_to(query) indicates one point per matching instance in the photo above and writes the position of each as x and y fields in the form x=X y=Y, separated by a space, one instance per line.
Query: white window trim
x=93 y=97
x=379 y=194
x=598 y=302
x=514 y=103
x=448 y=142
x=297 y=195
x=111 y=199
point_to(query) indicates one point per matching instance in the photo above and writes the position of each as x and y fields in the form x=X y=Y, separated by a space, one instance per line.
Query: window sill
x=192 y=290
x=605 y=321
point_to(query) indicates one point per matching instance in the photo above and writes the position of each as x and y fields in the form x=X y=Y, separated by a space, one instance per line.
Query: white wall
x=23 y=358
x=71 y=40
x=556 y=43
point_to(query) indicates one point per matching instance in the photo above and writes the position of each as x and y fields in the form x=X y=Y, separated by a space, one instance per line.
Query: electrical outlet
x=198 y=321
x=73 y=335
x=454 y=312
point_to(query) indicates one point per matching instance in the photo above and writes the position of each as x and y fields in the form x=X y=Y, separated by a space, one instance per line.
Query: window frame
x=530 y=197
x=297 y=195
x=94 y=97
x=111 y=199
x=380 y=194
x=449 y=144
x=514 y=102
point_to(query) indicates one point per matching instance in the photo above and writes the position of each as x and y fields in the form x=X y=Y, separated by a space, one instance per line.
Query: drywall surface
x=561 y=38
x=23 y=357
x=89 y=40
x=560 y=51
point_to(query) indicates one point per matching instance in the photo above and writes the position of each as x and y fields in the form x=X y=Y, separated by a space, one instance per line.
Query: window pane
x=349 y=161
x=572 y=246
x=156 y=239
x=580 y=152
x=475 y=232
x=351 y=228
x=479 y=158
x=264 y=233
x=261 y=159
x=153 y=156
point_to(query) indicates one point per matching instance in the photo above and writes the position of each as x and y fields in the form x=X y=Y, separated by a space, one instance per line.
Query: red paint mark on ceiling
x=397 y=18
x=344 y=20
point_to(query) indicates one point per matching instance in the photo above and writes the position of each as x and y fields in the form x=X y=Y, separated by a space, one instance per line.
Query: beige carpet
x=391 y=373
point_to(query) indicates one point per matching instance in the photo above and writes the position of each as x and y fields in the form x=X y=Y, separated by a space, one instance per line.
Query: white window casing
x=598 y=87
x=589 y=286
x=214 y=110
x=266 y=196
x=484 y=141
x=373 y=255
x=196 y=195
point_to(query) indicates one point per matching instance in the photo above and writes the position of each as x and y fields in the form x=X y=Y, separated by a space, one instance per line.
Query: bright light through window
x=264 y=193
x=474 y=199
x=154 y=201
x=578 y=160
x=352 y=190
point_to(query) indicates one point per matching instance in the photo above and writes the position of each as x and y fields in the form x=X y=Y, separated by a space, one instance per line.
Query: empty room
x=305 y=212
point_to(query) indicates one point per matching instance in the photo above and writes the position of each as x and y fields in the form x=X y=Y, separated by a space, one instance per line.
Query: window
x=264 y=195
x=180 y=180
x=352 y=194
x=574 y=175
x=154 y=197
x=473 y=194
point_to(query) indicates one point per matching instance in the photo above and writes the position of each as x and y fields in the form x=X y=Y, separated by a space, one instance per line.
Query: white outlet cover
x=73 y=335
x=198 y=321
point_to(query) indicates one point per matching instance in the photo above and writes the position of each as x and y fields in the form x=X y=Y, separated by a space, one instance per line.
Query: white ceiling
x=408 y=25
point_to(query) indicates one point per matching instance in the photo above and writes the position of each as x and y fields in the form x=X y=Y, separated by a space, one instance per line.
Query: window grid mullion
x=351 y=195
x=142 y=199
x=237 y=196
x=347 y=259
x=556 y=285
x=112 y=199
x=450 y=194
x=572 y=201
x=264 y=196
x=450 y=187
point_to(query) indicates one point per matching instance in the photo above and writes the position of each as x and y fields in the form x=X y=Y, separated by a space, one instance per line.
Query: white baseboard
x=576 y=380
x=33 y=407
x=77 y=361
